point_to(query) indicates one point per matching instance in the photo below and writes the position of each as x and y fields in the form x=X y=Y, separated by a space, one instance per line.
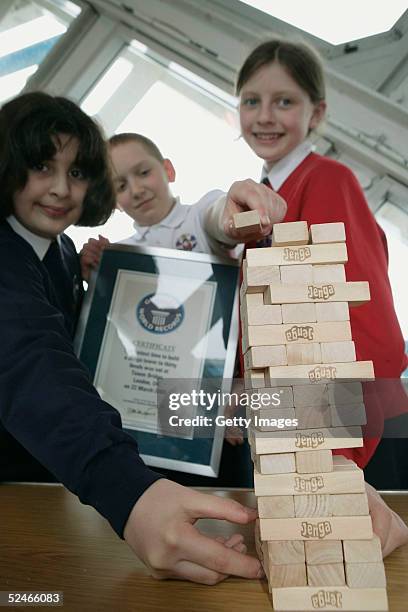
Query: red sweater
x=321 y=190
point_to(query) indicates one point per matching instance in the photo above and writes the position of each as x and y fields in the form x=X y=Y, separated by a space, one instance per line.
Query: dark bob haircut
x=29 y=129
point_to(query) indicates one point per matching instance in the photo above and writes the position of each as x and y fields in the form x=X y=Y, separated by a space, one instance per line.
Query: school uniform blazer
x=48 y=404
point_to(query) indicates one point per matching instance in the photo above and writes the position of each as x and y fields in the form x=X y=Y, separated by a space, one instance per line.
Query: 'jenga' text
x=299 y=254
x=313 y=440
x=322 y=599
x=308 y=485
x=323 y=292
x=315 y=530
x=299 y=332
x=320 y=372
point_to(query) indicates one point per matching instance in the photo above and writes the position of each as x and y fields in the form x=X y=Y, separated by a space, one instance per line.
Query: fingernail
x=265 y=220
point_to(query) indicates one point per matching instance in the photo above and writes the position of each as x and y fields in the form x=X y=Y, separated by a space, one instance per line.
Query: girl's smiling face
x=276 y=114
x=51 y=200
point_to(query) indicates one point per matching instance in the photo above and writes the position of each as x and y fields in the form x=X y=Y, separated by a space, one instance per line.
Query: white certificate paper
x=154 y=326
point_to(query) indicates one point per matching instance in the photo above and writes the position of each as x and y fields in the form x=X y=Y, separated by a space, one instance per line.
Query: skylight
x=335 y=22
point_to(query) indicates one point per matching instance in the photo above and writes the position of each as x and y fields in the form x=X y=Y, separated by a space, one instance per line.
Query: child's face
x=142 y=183
x=52 y=197
x=276 y=114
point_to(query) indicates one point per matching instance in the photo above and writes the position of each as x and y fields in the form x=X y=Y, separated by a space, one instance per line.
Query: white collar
x=38 y=243
x=173 y=219
x=285 y=166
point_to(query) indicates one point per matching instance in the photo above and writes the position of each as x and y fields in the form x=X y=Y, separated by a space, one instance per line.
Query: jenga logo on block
x=313 y=440
x=297 y=254
x=320 y=372
x=299 y=332
x=320 y=293
x=315 y=530
x=309 y=485
x=322 y=599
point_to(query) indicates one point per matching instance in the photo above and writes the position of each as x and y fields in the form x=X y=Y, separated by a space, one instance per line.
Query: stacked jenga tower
x=314 y=533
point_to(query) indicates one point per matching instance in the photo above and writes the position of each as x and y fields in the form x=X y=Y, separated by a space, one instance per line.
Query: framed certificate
x=156 y=322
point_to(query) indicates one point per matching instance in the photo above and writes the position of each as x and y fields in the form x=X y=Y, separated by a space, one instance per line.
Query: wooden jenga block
x=298 y=313
x=247 y=222
x=321 y=373
x=332 y=311
x=345 y=393
x=362 y=551
x=262 y=314
x=326 y=528
x=268 y=335
x=310 y=417
x=282 y=463
x=266 y=442
x=340 y=461
x=251 y=300
x=264 y=356
x=303 y=354
x=312 y=505
x=327 y=574
x=338 y=352
x=328 y=273
x=293 y=575
x=349 y=504
x=254 y=379
x=311 y=462
x=259 y=545
x=296 y=274
x=327 y=233
x=348 y=415
x=297 y=255
x=286 y=552
x=326 y=599
x=276 y=506
x=311 y=395
x=343 y=481
x=363 y=575
x=319 y=553
x=355 y=292
x=259 y=277
x=286 y=234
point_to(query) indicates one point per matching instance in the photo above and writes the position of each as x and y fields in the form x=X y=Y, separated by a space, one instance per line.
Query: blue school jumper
x=51 y=416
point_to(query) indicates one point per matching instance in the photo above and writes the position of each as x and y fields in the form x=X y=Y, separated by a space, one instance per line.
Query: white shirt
x=285 y=166
x=39 y=244
x=182 y=229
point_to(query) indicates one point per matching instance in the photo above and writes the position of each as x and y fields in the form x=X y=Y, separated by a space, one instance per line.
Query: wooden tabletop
x=50 y=542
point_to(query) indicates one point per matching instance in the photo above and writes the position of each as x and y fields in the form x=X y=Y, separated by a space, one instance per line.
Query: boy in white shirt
x=142 y=178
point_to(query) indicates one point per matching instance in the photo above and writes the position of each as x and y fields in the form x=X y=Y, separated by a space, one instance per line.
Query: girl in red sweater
x=282 y=100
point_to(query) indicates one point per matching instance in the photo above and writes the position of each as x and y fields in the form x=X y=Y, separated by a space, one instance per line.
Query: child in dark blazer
x=54 y=173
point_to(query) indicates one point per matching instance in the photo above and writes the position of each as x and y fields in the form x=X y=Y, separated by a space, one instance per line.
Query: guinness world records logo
x=159 y=313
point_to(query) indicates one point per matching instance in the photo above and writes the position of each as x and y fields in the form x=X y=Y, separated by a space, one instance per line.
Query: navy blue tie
x=62 y=283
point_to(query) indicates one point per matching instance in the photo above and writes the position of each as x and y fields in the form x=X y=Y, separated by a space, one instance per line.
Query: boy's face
x=276 y=114
x=51 y=200
x=142 y=183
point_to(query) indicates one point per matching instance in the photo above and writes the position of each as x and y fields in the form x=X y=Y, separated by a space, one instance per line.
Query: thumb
x=212 y=506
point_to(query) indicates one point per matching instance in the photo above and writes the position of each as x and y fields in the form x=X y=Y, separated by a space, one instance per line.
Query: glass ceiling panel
x=28 y=31
x=335 y=22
